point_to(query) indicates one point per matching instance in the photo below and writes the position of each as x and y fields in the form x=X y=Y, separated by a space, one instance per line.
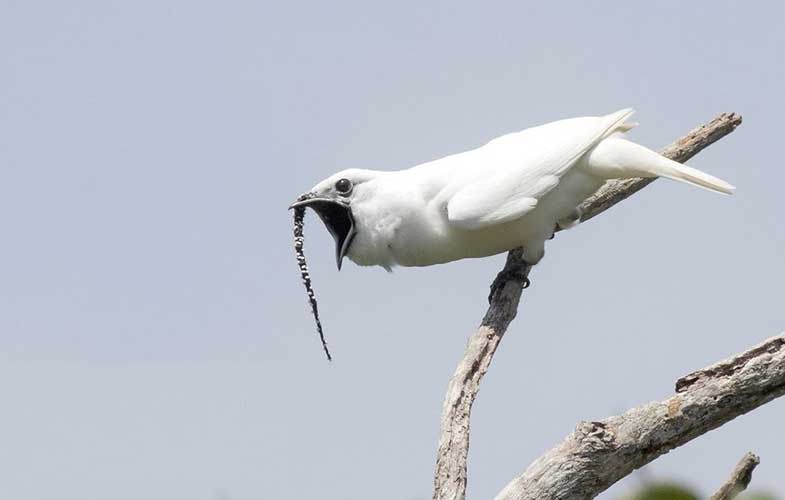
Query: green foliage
x=663 y=491
x=674 y=491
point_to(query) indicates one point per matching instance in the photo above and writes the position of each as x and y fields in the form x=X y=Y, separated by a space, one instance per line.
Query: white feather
x=508 y=193
x=515 y=171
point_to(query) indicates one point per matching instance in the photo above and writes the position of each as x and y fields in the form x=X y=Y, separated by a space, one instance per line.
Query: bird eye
x=343 y=186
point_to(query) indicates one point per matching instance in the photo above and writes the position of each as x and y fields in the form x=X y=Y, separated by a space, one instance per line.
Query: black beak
x=337 y=217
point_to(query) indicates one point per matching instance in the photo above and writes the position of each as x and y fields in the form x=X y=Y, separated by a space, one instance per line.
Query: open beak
x=337 y=217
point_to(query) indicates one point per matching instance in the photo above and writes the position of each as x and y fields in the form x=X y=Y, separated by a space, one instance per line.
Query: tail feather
x=617 y=158
x=679 y=172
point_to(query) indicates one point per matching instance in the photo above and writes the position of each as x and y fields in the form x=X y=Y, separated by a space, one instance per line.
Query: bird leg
x=516 y=269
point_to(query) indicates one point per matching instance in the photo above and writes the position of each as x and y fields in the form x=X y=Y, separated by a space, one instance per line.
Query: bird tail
x=678 y=172
x=618 y=158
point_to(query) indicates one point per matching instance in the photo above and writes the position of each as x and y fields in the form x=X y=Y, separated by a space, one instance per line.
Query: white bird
x=512 y=192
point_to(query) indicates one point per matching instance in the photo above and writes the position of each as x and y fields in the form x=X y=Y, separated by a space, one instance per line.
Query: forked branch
x=597 y=454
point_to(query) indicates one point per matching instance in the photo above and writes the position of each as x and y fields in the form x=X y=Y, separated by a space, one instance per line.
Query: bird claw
x=516 y=274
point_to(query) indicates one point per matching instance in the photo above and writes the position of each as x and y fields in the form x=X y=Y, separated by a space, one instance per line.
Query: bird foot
x=517 y=273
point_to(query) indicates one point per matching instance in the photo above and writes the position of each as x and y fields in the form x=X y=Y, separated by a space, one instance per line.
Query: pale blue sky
x=155 y=337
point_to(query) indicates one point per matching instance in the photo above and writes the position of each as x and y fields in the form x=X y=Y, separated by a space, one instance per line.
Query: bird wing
x=505 y=179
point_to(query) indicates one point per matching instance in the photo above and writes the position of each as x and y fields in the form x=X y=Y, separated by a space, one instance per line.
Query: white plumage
x=511 y=192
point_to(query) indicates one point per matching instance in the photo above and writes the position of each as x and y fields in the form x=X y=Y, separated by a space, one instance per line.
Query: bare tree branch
x=597 y=454
x=739 y=479
x=450 y=477
x=450 y=473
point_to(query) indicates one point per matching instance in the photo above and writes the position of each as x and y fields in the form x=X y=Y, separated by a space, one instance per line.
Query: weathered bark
x=450 y=477
x=597 y=454
x=450 y=474
x=739 y=479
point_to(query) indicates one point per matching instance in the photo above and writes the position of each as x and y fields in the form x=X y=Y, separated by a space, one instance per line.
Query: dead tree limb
x=450 y=473
x=597 y=454
x=739 y=479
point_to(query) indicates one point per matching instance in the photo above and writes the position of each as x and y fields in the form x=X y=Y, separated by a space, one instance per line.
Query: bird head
x=332 y=200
